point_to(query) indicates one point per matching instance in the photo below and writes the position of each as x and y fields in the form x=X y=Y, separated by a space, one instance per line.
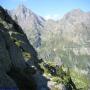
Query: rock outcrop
x=18 y=59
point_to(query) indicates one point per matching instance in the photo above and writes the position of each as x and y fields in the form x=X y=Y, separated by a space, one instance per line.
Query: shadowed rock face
x=15 y=41
x=18 y=59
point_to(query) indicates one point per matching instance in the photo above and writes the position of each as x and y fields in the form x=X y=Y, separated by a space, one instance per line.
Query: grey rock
x=7 y=82
x=14 y=70
x=16 y=57
x=5 y=61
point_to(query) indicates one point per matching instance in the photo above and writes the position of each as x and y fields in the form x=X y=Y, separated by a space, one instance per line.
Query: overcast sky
x=49 y=8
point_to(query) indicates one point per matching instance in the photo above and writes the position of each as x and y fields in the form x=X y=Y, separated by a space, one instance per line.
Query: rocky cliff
x=18 y=59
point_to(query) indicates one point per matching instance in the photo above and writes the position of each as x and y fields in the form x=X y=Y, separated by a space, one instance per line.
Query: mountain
x=71 y=33
x=66 y=40
x=76 y=25
x=30 y=22
x=71 y=26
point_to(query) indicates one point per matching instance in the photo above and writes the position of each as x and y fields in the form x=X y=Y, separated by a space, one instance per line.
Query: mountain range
x=35 y=52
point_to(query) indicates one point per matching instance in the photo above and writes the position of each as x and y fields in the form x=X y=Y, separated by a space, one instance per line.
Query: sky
x=50 y=9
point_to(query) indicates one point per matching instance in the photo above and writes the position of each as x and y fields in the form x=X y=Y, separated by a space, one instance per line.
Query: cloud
x=54 y=17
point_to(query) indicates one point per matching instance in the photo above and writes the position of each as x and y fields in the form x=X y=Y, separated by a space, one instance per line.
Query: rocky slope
x=18 y=59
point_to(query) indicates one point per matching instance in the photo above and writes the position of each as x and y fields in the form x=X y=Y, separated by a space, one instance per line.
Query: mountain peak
x=21 y=7
x=77 y=11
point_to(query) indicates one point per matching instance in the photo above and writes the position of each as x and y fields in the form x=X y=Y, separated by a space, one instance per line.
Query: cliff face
x=18 y=58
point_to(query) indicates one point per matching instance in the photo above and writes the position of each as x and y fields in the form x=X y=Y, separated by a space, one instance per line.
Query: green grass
x=27 y=56
x=18 y=43
x=80 y=80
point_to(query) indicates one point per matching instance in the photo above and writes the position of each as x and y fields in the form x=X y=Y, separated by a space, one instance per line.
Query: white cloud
x=54 y=17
